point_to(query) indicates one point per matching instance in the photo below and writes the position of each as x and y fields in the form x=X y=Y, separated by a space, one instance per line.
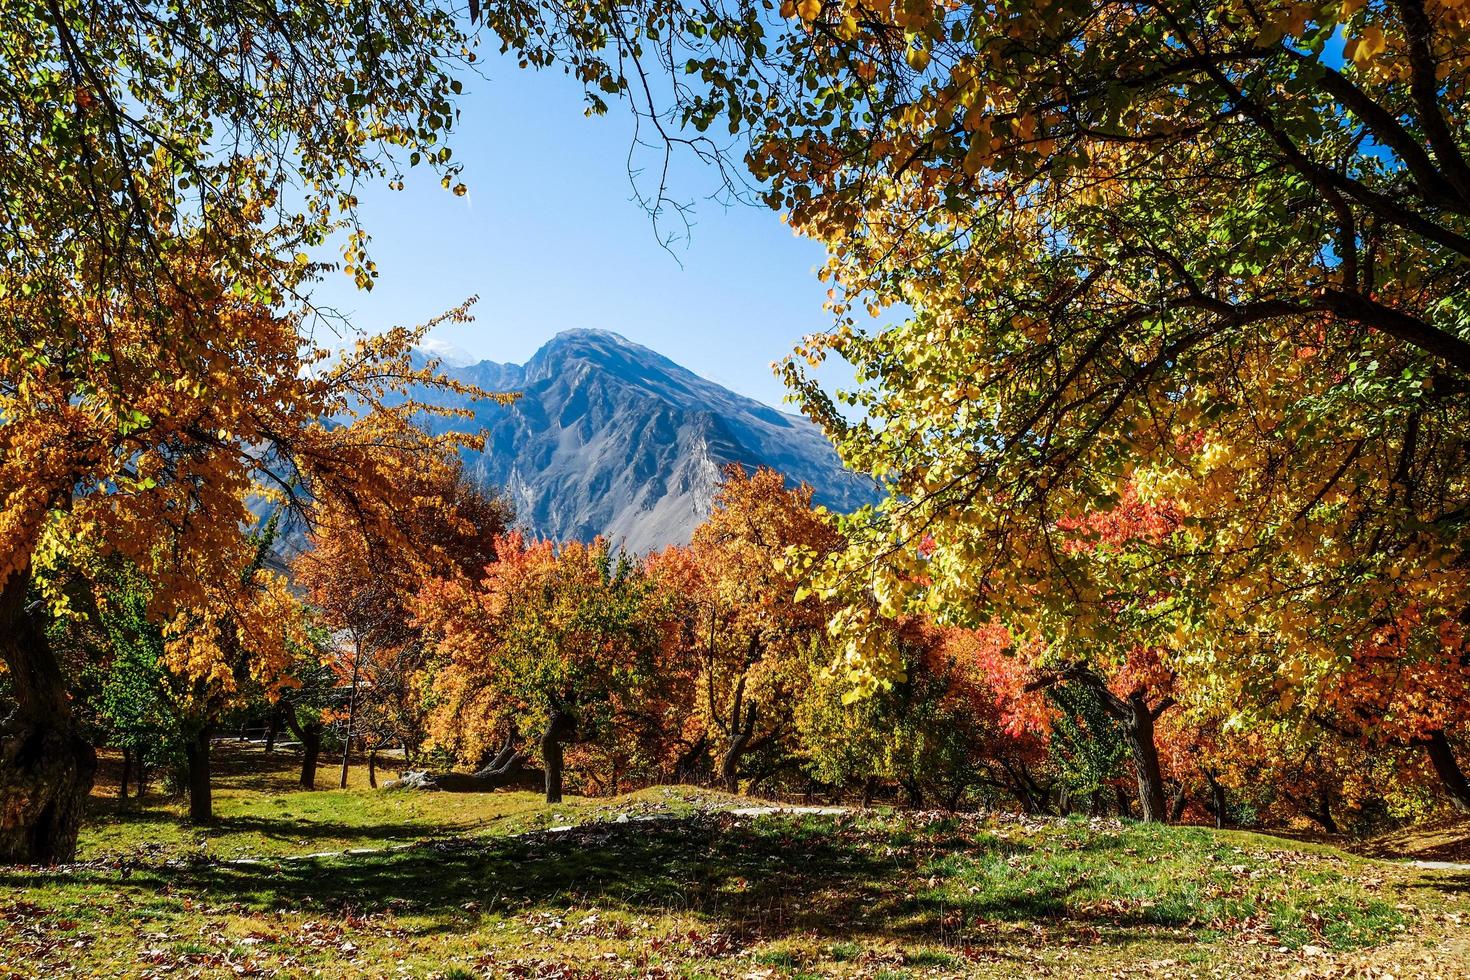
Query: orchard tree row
x=1158 y=313
x=713 y=664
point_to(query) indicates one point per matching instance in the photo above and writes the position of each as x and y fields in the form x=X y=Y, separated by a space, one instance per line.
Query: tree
x=305 y=704
x=137 y=429
x=954 y=728
x=1407 y=684
x=747 y=626
x=1187 y=251
x=1210 y=252
x=122 y=687
x=553 y=639
x=168 y=170
x=362 y=584
x=1087 y=744
x=132 y=120
x=1089 y=600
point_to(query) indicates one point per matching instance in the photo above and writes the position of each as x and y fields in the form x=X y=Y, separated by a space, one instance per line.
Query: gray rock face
x=611 y=438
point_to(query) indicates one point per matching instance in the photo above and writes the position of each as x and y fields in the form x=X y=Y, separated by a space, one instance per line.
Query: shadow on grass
x=100 y=812
x=771 y=878
x=290 y=829
x=1444 y=882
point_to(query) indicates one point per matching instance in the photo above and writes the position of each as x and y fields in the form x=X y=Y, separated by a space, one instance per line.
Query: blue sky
x=549 y=239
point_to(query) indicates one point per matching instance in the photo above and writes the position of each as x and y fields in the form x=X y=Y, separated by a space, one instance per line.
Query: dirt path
x=1440 y=846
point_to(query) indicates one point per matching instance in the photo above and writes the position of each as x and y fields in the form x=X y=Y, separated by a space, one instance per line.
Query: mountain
x=609 y=437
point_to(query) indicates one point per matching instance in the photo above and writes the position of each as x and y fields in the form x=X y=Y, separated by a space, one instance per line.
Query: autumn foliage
x=1170 y=422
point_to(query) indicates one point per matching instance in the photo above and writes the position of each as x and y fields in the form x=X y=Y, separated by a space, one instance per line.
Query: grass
x=704 y=894
x=262 y=812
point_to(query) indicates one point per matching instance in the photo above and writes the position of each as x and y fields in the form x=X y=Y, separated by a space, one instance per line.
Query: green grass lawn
x=701 y=893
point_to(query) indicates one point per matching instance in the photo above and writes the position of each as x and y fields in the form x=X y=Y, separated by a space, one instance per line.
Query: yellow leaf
x=1367 y=46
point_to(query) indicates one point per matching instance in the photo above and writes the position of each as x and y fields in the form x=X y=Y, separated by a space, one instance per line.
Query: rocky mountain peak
x=612 y=438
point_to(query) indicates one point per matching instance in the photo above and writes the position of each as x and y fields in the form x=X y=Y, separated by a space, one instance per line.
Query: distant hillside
x=611 y=438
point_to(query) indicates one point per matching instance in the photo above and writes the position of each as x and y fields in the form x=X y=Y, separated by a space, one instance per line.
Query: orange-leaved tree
x=554 y=639
x=747 y=626
x=1407 y=684
x=361 y=583
x=138 y=425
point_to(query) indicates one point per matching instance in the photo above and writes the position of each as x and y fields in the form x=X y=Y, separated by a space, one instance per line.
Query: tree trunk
x=740 y=739
x=692 y=763
x=914 y=793
x=1125 y=809
x=730 y=765
x=311 y=750
x=373 y=768
x=142 y=775
x=1137 y=721
x=196 y=753
x=310 y=737
x=351 y=710
x=1139 y=730
x=1217 y=800
x=870 y=786
x=127 y=767
x=560 y=726
x=1176 y=809
x=507 y=767
x=1451 y=776
x=1323 y=815
x=46 y=767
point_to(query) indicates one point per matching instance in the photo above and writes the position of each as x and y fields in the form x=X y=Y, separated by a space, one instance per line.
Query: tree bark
x=272 y=726
x=1138 y=728
x=1323 y=815
x=1095 y=803
x=914 y=792
x=1176 y=809
x=311 y=750
x=1451 y=776
x=351 y=710
x=1137 y=720
x=560 y=726
x=196 y=753
x=373 y=768
x=1125 y=809
x=741 y=734
x=46 y=767
x=1217 y=800
x=310 y=737
x=693 y=762
x=127 y=767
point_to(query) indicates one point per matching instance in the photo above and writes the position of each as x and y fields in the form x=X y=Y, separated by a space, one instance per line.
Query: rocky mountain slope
x=611 y=438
